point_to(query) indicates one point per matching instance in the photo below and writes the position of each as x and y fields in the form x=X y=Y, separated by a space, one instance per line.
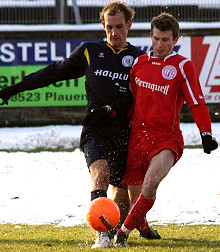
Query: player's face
x=116 y=30
x=162 y=42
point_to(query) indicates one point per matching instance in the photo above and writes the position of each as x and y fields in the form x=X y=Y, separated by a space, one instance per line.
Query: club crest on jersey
x=169 y=72
x=127 y=61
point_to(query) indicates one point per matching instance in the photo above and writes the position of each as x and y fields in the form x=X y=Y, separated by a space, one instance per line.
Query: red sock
x=136 y=217
x=144 y=227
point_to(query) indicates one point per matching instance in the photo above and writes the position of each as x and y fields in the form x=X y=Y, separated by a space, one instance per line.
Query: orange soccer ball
x=103 y=214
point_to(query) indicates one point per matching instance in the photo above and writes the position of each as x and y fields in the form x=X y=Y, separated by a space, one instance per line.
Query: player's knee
x=151 y=183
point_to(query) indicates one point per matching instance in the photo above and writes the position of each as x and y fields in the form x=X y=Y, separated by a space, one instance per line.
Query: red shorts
x=144 y=144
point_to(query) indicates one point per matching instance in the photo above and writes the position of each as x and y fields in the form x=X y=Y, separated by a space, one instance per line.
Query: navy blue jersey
x=107 y=71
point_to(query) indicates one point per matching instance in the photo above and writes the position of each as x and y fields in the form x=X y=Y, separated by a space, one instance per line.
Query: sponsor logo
x=169 y=72
x=113 y=76
x=156 y=63
x=105 y=221
x=120 y=88
x=127 y=61
x=152 y=86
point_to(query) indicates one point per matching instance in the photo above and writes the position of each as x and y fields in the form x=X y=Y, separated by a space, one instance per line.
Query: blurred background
x=87 y=11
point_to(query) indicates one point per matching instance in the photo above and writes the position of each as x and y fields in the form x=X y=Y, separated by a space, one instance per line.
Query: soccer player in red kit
x=160 y=81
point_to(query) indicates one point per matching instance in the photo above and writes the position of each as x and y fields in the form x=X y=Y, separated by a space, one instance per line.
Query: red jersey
x=160 y=87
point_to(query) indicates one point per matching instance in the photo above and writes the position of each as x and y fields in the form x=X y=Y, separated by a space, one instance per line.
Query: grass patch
x=193 y=147
x=80 y=238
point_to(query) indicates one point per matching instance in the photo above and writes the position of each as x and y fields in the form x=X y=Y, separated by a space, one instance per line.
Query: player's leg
x=100 y=181
x=96 y=153
x=120 y=197
x=159 y=167
x=133 y=192
x=119 y=192
x=99 y=171
x=118 y=166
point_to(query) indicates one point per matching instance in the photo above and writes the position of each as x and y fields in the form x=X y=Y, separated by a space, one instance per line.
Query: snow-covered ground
x=54 y=187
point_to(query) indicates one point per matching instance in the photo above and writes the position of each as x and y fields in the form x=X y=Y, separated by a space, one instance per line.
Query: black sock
x=98 y=193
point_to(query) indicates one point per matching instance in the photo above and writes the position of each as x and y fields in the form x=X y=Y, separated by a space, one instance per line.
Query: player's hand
x=209 y=143
x=97 y=115
x=4 y=103
x=4 y=95
x=121 y=104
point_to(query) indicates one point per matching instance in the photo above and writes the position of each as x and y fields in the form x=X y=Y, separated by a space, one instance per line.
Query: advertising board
x=21 y=57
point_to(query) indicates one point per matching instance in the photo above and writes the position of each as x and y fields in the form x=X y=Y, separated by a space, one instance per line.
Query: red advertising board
x=205 y=53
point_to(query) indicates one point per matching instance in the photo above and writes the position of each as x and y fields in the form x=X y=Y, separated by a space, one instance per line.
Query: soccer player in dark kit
x=104 y=138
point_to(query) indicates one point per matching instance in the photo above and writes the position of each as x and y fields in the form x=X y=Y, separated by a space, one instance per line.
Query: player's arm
x=70 y=68
x=202 y=118
x=133 y=87
x=195 y=100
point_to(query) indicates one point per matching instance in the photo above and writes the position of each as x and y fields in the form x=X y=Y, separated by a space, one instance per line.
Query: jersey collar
x=150 y=53
x=118 y=51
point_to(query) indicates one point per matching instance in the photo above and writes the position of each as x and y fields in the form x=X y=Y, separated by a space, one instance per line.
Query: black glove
x=5 y=95
x=121 y=104
x=209 y=143
x=97 y=116
x=9 y=91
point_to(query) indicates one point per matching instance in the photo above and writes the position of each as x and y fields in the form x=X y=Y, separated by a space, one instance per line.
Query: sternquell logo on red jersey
x=169 y=72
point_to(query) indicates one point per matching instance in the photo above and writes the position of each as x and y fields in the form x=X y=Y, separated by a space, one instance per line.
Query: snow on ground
x=67 y=136
x=54 y=187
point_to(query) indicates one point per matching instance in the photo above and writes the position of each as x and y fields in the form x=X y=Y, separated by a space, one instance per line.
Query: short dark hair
x=114 y=6
x=166 y=22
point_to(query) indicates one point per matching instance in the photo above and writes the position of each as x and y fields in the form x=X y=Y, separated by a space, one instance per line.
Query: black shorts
x=110 y=143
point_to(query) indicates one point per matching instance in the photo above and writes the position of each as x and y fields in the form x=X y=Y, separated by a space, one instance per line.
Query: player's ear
x=176 y=40
x=129 y=24
x=103 y=23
